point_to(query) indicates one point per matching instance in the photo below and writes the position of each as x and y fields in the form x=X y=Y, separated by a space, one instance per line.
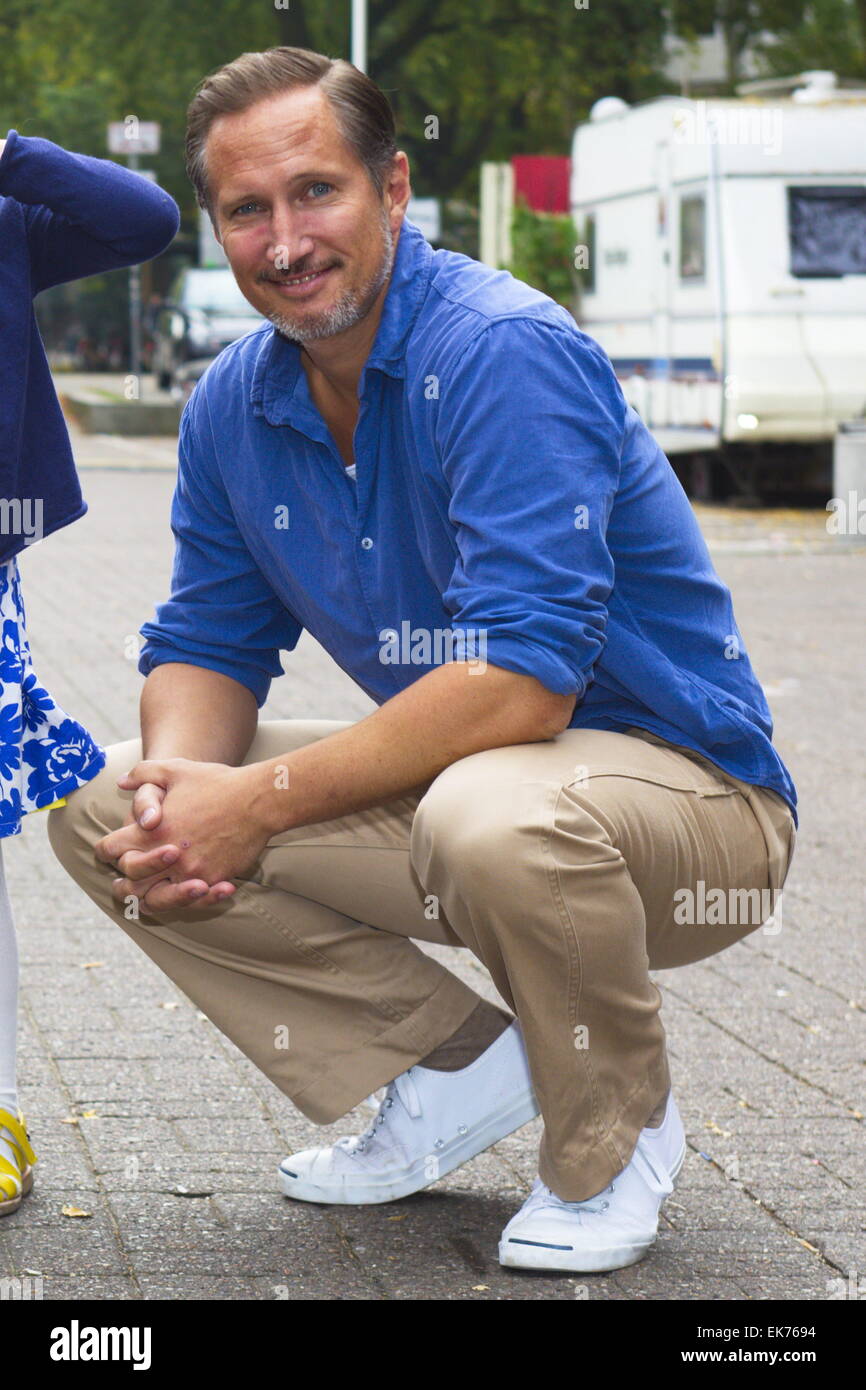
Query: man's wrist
x=265 y=794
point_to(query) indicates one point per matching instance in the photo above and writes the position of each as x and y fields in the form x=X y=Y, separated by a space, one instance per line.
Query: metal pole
x=134 y=306
x=359 y=34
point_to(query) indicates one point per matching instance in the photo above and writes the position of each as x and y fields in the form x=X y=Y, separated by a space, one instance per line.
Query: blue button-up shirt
x=506 y=501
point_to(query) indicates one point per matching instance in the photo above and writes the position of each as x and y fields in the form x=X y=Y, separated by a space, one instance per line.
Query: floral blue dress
x=43 y=753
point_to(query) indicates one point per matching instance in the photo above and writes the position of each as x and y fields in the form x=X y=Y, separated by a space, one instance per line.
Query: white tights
x=8 y=998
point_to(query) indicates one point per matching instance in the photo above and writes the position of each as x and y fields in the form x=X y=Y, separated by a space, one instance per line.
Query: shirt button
x=366 y=543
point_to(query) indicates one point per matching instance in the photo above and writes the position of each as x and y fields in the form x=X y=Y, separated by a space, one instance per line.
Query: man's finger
x=166 y=896
x=159 y=894
x=143 y=772
x=112 y=845
x=187 y=891
x=138 y=864
x=147 y=805
x=129 y=837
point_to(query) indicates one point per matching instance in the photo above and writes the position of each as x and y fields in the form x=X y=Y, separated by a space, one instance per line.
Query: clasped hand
x=190 y=832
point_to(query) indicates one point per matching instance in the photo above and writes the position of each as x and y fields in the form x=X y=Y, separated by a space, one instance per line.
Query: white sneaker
x=612 y=1229
x=428 y=1123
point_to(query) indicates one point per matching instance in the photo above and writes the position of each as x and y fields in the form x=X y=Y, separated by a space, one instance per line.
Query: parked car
x=205 y=312
x=187 y=377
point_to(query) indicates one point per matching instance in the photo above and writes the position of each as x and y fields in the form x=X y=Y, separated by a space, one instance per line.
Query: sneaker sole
x=519 y=1254
x=516 y=1253
x=370 y=1190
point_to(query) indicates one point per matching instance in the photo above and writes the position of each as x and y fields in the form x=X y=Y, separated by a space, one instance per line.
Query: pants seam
x=571 y=935
x=572 y=943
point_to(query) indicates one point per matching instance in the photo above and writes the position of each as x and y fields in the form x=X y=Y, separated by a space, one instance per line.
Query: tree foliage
x=805 y=33
x=542 y=252
x=501 y=77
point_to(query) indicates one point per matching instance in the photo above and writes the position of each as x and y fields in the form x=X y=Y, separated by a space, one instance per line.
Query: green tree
x=542 y=252
x=498 y=78
x=741 y=21
x=468 y=81
x=832 y=35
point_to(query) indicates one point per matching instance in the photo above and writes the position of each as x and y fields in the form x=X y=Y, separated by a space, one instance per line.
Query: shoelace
x=656 y=1179
x=403 y=1087
x=545 y=1198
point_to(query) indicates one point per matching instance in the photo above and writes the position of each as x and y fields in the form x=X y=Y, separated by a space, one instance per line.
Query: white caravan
x=726 y=250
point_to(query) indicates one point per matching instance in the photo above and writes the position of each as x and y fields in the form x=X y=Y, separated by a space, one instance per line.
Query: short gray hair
x=362 y=111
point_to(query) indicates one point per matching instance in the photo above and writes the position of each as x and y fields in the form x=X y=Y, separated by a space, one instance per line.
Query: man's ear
x=399 y=185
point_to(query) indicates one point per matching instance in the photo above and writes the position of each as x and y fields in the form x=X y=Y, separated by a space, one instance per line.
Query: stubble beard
x=350 y=307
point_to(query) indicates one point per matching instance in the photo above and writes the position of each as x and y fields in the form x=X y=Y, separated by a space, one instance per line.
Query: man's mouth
x=301 y=282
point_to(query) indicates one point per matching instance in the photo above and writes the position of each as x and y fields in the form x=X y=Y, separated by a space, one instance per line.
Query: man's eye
x=246 y=205
x=319 y=184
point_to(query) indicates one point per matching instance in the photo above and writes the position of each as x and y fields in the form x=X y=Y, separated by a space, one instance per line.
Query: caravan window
x=693 y=236
x=827 y=231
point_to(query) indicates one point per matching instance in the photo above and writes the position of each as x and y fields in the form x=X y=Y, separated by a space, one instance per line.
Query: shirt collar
x=278 y=390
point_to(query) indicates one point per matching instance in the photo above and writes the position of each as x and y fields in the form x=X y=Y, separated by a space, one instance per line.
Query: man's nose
x=289 y=241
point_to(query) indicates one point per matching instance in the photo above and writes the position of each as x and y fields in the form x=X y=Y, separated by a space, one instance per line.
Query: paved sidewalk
x=147 y=1119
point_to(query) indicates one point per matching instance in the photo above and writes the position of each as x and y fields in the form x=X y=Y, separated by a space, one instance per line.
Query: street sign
x=132 y=136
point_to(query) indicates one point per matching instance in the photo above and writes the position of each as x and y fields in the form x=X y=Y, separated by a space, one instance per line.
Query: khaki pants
x=570 y=868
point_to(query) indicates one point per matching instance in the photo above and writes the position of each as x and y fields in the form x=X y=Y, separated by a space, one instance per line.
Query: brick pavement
x=146 y=1117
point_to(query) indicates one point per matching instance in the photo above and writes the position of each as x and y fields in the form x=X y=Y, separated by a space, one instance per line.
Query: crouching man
x=415 y=445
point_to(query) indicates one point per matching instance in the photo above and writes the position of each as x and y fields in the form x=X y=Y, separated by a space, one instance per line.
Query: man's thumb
x=147 y=805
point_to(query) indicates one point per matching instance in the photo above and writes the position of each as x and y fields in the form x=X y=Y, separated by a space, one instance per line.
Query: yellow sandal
x=15 y=1182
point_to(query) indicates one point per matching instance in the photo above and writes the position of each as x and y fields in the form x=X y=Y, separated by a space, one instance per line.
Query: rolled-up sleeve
x=221 y=613
x=529 y=430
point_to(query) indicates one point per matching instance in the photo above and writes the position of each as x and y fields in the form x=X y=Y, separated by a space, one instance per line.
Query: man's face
x=291 y=200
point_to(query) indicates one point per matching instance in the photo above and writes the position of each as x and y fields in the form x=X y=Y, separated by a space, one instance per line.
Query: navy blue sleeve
x=83 y=215
x=222 y=613
x=529 y=433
